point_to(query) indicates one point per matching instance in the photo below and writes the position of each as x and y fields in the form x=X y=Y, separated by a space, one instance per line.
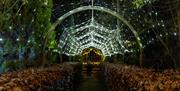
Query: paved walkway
x=90 y=83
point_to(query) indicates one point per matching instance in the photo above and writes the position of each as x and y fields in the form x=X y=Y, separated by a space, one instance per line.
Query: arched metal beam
x=98 y=8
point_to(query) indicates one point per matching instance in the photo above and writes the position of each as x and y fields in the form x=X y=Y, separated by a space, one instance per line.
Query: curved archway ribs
x=98 y=8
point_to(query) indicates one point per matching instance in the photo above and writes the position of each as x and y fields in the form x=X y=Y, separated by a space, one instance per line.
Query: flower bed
x=120 y=77
x=57 y=77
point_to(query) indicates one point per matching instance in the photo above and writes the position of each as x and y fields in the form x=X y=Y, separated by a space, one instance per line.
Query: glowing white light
x=10 y=27
x=163 y=25
x=166 y=34
x=153 y=26
x=17 y=39
x=32 y=20
x=161 y=35
x=1 y=39
x=156 y=13
x=92 y=34
x=46 y=2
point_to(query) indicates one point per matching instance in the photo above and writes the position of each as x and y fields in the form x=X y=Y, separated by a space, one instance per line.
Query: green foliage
x=52 y=58
x=8 y=46
x=53 y=48
x=42 y=21
x=11 y=65
x=29 y=19
x=52 y=43
x=138 y=3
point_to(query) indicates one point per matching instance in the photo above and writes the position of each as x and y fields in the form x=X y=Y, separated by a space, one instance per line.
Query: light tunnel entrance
x=89 y=45
x=109 y=43
x=93 y=55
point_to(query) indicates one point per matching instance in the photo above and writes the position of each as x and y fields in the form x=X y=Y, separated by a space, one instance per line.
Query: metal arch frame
x=98 y=8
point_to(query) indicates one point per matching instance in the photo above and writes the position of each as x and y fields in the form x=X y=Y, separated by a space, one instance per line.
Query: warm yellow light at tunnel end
x=96 y=51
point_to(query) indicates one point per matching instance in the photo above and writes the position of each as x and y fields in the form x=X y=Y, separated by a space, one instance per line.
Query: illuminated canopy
x=74 y=40
x=92 y=34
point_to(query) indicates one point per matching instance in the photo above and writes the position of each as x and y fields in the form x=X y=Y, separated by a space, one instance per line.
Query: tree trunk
x=141 y=56
x=178 y=23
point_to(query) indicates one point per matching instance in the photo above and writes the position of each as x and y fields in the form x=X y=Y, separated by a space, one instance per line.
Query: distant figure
x=89 y=68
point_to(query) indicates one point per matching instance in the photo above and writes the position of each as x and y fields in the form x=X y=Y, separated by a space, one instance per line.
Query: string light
x=99 y=34
x=1 y=39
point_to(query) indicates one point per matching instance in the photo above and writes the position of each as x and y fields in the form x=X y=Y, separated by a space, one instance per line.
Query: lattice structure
x=92 y=34
x=142 y=18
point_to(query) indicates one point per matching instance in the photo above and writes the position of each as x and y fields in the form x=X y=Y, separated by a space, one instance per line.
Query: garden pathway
x=91 y=83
